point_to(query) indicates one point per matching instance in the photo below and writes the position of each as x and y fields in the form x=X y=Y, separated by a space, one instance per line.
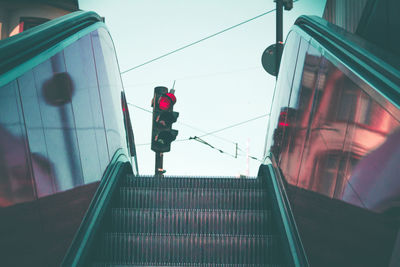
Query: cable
x=198 y=41
x=212 y=74
x=220 y=130
x=234 y=125
x=198 y=139
x=133 y=105
x=185 y=124
x=205 y=143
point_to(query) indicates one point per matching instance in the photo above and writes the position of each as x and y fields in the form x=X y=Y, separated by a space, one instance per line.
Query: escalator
x=63 y=126
x=179 y=221
x=186 y=221
x=62 y=71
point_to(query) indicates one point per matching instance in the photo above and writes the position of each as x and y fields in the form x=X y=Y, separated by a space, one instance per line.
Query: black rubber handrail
x=293 y=247
x=24 y=46
x=372 y=63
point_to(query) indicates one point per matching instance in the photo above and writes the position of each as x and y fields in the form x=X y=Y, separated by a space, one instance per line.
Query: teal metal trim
x=297 y=255
x=79 y=249
x=374 y=66
x=21 y=47
x=285 y=217
x=136 y=166
x=45 y=55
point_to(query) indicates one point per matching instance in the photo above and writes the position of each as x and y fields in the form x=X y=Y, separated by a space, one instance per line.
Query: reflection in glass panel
x=110 y=87
x=282 y=93
x=344 y=140
x=55 y=90
x=86 y=109
x=327 y=131
x=43 y=167
x=16 y=184
x=295 y=133
x=300 y=110
x=375 y=141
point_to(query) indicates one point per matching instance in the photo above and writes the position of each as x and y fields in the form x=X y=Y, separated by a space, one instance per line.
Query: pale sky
x=219 y=82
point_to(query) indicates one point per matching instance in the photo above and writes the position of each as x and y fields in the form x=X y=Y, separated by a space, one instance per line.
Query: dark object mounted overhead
x=268 y=59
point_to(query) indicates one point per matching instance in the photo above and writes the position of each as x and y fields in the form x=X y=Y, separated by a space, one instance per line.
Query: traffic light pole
x=159 y=171
x=279 y=33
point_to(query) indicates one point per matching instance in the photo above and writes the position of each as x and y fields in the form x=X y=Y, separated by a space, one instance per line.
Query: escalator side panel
x=335 y=233
x=54 y=137
x=292 y=247
x=337 y=137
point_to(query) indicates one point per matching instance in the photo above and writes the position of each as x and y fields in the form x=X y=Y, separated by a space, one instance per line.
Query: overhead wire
x=207 y=133
x=208 y=144
x=198 y=138
x=185 y=124
x=201 y=40
x=189 y=45
x=133 y=105
x=191 y=77
x=198 y=41
x=234 y=125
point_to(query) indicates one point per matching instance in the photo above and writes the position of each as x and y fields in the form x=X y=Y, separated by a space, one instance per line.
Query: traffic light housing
x=163 y=118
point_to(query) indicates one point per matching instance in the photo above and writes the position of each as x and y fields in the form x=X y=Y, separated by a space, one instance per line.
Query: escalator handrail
x=372 y=63
x=291 y=237
x=19 y=48
x=78 y=251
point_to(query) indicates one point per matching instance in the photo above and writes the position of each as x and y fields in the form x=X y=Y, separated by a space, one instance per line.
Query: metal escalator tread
x=178 y=221
x=101 y=264
x=186 y=221
x=192 y=182
x=188 y=198
x=126 y=248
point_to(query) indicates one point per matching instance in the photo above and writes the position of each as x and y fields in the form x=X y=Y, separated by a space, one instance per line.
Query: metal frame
x=291 y=240
x=78 y=252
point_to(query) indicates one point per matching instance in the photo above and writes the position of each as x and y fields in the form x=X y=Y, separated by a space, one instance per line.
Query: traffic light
x=163 y=118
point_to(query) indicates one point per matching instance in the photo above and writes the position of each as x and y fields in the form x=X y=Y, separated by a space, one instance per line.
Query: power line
x=185 y=124
x=133 y=105
x=209 y=133
x=191 y=77
x=220 y=130
x=198 y=139
x=234 y=125
x=198 y=41
x=206 y=143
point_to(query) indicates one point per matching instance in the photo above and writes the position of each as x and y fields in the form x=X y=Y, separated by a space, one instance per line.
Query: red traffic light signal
x=166 y=101
x=163 y=118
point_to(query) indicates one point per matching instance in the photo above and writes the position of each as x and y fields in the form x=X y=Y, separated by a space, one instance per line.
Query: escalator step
x=119 y=248
x=185 y=198
x=166 y=221
x=192 y=182
x=183 y=265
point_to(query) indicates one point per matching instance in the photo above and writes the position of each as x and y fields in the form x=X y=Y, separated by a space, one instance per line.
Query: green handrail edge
x=26 y=50
x=79 y=249
x=19 y=48
x=378 y=71
x=290 y=234
x=19 y=70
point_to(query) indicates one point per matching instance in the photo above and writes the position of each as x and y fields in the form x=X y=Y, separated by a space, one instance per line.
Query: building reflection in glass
x=334 y=138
